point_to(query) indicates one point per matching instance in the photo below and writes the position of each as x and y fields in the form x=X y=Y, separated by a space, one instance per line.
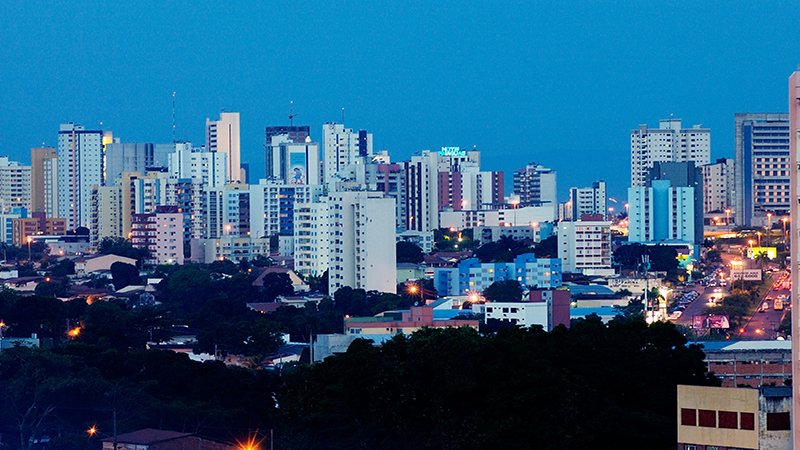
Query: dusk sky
x=559 y=83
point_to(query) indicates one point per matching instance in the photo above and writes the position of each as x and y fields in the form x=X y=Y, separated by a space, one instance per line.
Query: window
x=727 y=419
x=747 y=421
x=707 y=418
x=778 y=421
x=688 y=417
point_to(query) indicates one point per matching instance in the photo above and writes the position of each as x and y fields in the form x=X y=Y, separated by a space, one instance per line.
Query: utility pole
x=646 y=268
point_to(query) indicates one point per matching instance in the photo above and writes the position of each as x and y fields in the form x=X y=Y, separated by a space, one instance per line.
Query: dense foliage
x=592 y=386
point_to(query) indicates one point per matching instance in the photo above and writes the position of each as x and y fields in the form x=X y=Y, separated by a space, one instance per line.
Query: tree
x=276 y=284
x=124 y=274
x=121 y=247
x=504 y=291
x=408 y=252
x=503 y=250
x=53 y=287
x=63 y=268
x=547 y=248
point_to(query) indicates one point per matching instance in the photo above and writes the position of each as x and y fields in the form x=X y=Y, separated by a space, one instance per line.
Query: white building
x=205 y=167
x=422 y=186
x=523 y=314
x=667 y=143
x=232 y=248
x=585 y=247
x=587 y=200
x=522 y=216
x=226 y=211
x=141 y=194
x=718 y=186
x=222 y=136
x=362 y=235
x=273 y=204
x=311 y=238
x=294 y=163
x=15 y=184
x=342 y=147
x=80 y=168
x=536 y=185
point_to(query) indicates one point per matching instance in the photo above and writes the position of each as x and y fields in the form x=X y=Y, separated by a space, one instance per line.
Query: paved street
x=764 y=323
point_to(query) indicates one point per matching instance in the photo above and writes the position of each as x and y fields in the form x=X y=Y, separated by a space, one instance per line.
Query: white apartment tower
x=422 y=192
x=199 y=165
x=719 y=186
x=222 y=136
x=342 y=147
x=15 y=184
x=585 y=247
x=587 y=200
x=668 y=142
x=311 y=238
x=80 y=168
x=362 y=241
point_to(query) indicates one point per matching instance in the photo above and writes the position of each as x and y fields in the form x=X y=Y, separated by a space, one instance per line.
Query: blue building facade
x=472 y=275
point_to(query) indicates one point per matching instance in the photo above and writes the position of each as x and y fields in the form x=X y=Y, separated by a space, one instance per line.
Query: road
x=698 y=307
x=764 y=325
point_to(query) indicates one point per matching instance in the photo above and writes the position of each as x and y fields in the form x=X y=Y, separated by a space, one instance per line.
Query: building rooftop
x=148 y=436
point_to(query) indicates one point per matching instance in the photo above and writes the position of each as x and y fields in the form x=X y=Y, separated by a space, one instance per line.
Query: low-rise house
x=297 y=283
x=402 y=322
x=153 y=439
x=84 y=266
x=23 y=284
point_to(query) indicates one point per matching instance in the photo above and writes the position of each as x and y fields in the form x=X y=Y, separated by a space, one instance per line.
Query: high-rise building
x=342 y=147
x=15 y=184
x=536 y=186
x=160 y=232
x=762 y=166
x=362 y=242
x=794 y=256
x=719 y=187
x=470 y=188
x=585 y=246
x=199 y=165
x=106 y=213
x=422 y=186
x=293 y=162
x=667 y=143
x=44 y=181
x=311 y=238
x=222 y=136
x=670 y=205
x=291 y=133
x=273 y=206
x=587 y=200
x=226 y=211
x=141 y=194
x=80 y=168
x=127 y=157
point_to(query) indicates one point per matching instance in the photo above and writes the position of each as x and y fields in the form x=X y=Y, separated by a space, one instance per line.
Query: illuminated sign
x=452 y=151
x=753 y=252
x=711 y=321
x=746 y=274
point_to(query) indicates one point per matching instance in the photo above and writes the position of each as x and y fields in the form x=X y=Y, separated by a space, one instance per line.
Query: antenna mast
x=292 y=115
x=173 y=117
x=342 y=116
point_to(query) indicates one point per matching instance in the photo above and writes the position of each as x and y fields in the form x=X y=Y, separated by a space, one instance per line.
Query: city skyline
x=550 y=102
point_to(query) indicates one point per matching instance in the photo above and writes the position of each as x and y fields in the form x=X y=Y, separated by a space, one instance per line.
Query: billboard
x=753 y=252
x=710 y=321
x=298 y=169
x=746 y=274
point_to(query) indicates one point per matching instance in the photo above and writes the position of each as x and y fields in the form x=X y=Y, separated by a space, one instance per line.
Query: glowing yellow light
x=75 y=332
x=92 y=430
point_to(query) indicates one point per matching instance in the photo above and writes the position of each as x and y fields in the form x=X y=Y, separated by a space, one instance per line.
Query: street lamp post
x=30 y=239
x=727 y=216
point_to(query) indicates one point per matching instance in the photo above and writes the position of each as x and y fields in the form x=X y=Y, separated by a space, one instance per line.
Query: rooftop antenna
x=292 y=115
x=173 y=117
x=342 y=116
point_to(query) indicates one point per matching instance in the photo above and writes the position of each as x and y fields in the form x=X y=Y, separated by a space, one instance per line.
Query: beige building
x=718 y=187
x=106 y=213
x=141 y=194
x=15 y=184
x=44 y=181
x=733 y=418
x=222 y=136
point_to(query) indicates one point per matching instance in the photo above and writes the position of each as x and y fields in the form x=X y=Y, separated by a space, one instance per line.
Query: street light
x=30 y=239
x=727 y=216
x=784 y=220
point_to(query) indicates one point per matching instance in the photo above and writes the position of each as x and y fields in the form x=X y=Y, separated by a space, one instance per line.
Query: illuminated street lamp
x=758 y=233
x=727 y=216
x=92 y=431
x=751 y=242
x=784 y=220
x=30 y=239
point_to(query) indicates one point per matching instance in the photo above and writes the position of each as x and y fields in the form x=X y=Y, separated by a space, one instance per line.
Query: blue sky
x=560 y=83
